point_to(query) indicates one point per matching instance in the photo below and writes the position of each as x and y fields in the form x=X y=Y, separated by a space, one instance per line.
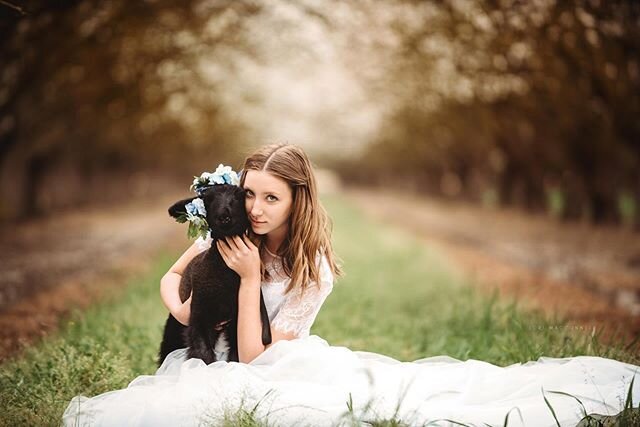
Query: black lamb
x=214 y=304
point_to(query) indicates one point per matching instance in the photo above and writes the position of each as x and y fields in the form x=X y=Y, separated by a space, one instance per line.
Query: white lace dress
x=306 y=381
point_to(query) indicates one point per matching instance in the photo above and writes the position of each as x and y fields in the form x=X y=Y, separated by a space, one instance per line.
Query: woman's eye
x=272 y=198
x=248 y=194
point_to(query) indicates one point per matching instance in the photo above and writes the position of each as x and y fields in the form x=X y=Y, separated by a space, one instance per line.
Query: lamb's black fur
x=214 y=305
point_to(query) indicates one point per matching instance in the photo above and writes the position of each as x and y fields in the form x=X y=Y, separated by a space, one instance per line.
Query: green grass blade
x=550 y=408
x=628 y=404
x=350 y=403
x=584 y=410
x=449 y=421
x=506 y=418
x=255 y=408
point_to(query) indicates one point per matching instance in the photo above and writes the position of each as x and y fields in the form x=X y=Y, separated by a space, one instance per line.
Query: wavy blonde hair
x=309 y=231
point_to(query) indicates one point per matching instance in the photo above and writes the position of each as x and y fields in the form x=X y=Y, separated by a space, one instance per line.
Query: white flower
x=214 y=178
x=221 y=169
x=234 y=178
x=223 y=175
x=199 y=180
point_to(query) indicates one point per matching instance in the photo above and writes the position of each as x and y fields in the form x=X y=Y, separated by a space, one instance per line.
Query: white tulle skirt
x=308 y=382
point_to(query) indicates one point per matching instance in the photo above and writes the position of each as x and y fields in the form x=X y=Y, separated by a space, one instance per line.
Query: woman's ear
x=178 y=208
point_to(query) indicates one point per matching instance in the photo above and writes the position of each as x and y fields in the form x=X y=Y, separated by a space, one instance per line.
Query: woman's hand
x=242 y=256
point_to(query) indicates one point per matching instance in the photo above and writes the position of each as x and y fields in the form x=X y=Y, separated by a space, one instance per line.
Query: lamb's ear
x=178 y=208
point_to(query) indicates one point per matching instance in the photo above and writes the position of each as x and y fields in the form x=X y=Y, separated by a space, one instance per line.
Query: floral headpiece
x=196 y=213
x=222 y=175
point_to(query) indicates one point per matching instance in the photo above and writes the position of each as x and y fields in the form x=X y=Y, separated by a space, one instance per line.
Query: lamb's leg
x=221 y=347
x=172 y=338
x=232 y=335
x=199 y=344
x=266 y=326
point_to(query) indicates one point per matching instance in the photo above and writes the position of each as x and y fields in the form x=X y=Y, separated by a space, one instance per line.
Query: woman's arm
x=242 y=256
x=249 y=322
x=250 y=325
x=170 y=283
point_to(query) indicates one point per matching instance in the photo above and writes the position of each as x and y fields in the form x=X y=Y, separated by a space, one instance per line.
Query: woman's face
x=268 y=202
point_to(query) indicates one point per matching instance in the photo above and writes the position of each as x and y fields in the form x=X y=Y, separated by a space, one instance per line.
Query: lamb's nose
x=224 y=219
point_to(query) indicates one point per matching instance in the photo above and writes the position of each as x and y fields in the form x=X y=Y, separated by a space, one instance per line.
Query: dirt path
x=53 y=265
x=587 y=275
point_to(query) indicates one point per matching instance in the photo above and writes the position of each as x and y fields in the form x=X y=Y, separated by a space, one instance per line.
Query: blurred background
x=505 y=106
x=532 y=104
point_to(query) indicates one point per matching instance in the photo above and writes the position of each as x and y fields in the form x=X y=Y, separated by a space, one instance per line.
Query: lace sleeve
x=298 y=311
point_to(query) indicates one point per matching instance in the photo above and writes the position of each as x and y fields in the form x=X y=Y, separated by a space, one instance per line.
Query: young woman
x=306 y=381
x=292 y=250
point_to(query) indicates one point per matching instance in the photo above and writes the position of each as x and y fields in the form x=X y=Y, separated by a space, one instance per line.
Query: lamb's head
x=225 y=210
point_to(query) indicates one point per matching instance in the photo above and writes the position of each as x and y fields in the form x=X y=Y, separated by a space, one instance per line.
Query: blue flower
x=199 y=204
x=216 y=179
x=231 y=178
x=191 y=209
x=196 y=208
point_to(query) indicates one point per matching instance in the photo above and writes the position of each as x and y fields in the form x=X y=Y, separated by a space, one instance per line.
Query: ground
x=587 y=275
x=53 y=265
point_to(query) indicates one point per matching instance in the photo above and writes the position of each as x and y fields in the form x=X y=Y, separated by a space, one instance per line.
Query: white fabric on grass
x=306 y=381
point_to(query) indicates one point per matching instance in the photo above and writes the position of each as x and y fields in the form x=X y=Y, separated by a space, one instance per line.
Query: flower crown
x=222 y=175
x=196 y=214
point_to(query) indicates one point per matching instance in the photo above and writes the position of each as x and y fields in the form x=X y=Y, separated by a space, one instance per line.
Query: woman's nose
x=256 y=210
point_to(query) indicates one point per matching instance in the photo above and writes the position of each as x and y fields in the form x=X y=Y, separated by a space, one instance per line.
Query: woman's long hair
x=310 y=227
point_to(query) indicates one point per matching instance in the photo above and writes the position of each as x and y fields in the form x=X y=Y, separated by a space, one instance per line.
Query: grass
x=405 y=300
x=101 y=349
x=398 y=298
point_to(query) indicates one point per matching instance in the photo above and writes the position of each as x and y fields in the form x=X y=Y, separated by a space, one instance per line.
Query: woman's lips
x=257 y=222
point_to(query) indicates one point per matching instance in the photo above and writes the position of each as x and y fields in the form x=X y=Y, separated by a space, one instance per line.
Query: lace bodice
x=292 y=312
